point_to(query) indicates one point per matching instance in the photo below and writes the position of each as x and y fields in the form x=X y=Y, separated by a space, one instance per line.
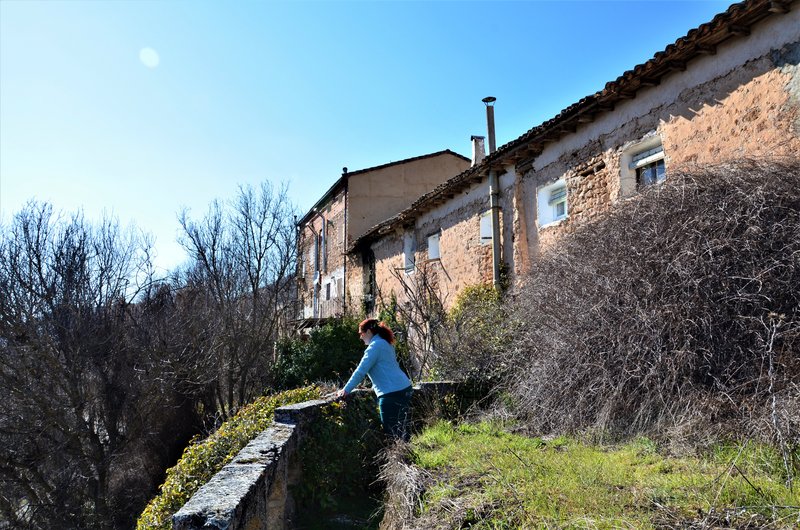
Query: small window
x=642 y=164
x=651 y=173
x=649 y=166
x=433 y=246
x=552 y=203
x=327 y=291
x=486 y=228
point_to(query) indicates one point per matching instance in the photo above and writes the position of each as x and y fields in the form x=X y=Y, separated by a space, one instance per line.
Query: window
x=642 y=164
x=409 y=248
x=486 y=228
x=433 y=246
x=327 y=291
x=552 y=203
x=649 y=166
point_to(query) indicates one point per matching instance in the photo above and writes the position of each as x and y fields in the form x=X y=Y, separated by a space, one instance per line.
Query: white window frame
x=434 y=250
x=636 y=155
x=486 y=228
x=548 y=200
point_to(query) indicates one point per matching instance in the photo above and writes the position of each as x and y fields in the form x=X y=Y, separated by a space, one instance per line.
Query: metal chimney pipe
x=489 y=102
x=494 y=196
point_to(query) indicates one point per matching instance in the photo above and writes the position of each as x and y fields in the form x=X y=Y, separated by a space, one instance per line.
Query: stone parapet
x=252 y=491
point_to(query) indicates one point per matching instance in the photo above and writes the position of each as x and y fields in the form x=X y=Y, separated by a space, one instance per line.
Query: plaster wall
x=378 y=194
x=743 y=101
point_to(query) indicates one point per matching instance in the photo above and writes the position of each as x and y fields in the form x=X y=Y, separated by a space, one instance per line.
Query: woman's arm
x=367 y=362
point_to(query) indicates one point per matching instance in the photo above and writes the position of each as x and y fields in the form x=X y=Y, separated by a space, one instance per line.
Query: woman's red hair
x=377 y=328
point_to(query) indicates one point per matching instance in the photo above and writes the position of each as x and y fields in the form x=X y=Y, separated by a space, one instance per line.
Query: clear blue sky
x=140 y=108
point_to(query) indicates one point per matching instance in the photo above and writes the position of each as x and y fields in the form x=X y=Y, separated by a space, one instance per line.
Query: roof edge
x=701 y=40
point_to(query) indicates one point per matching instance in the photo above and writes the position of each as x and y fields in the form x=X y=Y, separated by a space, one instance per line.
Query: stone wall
x=331 y=285
x=253 y=492
x=742 y=102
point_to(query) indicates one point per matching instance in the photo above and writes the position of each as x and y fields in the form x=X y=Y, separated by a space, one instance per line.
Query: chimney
x=489 y=102
x=478 y=149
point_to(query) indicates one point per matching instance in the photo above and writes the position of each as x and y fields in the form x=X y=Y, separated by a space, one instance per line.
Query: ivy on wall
x=202 y=459
x=338 y=453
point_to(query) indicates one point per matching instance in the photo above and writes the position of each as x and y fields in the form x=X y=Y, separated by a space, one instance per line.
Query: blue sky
x=142 y=108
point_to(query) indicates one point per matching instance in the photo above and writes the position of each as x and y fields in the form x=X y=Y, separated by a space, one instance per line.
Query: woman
x=391 y=384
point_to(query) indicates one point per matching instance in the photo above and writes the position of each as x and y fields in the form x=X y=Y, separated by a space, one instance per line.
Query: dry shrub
x=405 y=484
x=676 y=313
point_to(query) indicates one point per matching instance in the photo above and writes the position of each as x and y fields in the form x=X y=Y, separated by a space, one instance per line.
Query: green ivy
x=338 y=453
x=201 y=460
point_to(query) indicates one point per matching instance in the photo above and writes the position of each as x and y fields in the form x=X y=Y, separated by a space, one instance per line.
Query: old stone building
x=728 y=89
x=355 y=202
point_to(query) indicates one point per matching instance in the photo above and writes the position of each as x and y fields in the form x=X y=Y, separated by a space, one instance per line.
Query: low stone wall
x=252 y=492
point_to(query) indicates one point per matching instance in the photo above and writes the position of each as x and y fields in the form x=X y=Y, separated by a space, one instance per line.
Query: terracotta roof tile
x=702 y=40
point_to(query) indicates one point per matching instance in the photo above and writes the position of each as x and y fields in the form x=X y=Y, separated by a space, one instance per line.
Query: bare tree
x=71 y=391
x=238 y=288
x=420 y=307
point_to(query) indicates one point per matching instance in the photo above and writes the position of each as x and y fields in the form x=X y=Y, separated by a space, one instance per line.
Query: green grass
x=484 y=477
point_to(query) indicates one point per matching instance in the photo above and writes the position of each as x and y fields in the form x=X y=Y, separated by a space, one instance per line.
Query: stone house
x=354 y=203
x=728 y=89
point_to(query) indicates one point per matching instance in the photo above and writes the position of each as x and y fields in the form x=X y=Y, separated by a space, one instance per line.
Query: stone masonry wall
x=332 y=283
x=750 y=109
x=253 y=492
x=464 y=258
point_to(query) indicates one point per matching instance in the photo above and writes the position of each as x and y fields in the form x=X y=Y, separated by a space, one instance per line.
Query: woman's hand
x=341 y=394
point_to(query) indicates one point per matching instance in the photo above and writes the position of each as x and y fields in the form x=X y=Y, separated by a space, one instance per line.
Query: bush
x=203 y=459
x=475 y=333
x=677 y=311
x=329 y=354
x=339 y=454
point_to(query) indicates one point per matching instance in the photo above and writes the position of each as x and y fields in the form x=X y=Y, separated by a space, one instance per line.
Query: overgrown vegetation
x=330 y=353
x=475 y=335
x=480 y=476
x=203 y=458
x=462 y=343
x=108 y=370
x=339 y=464
x=676 y=316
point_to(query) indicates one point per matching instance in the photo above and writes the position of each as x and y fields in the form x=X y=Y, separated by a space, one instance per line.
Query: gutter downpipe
x=320 y=250
x=344 y=243
x=494 y=195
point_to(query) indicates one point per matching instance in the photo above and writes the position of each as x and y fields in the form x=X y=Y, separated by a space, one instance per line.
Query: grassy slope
x=482 y=477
